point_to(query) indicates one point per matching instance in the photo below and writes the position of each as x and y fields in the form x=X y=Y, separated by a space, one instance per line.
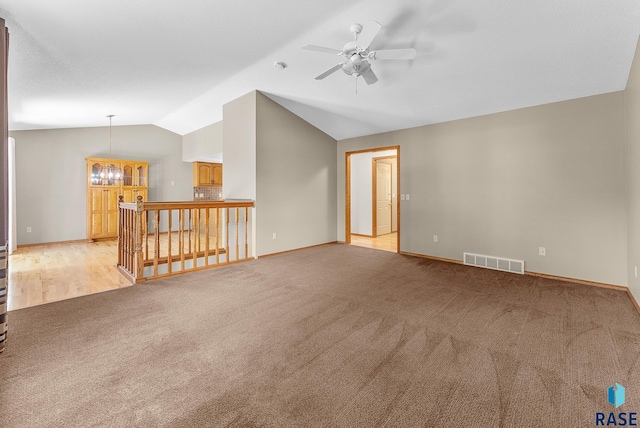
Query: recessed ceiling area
x=175 y=64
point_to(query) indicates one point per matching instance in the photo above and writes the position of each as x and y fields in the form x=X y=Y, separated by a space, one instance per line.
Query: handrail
x=193 y=204
x=157 y=239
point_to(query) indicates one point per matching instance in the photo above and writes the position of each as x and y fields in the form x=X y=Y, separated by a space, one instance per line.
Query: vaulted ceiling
x=175 y=63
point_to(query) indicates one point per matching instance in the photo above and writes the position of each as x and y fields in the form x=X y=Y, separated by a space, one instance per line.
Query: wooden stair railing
x=157 y=239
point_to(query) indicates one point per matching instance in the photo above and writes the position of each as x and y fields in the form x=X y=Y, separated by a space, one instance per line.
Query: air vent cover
x=496 y=263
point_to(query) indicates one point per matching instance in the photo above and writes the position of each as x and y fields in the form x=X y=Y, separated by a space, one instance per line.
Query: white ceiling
x=175 y=63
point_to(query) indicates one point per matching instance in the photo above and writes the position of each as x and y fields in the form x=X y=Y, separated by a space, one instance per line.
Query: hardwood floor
x=388 y=242
x=48 y=273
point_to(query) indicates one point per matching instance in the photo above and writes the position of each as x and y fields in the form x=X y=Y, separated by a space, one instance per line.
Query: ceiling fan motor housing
x=356 y=65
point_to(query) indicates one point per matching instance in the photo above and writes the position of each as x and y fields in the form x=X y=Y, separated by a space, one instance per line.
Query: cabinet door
x=131 y=195
x=128 y=194
x=103 y=212
x=204 y=174
x=96 y=226
x=111 y=212
x=142 y=175
x=128 y=170
x=217 y=174
x=144 y=193
x=134 y=193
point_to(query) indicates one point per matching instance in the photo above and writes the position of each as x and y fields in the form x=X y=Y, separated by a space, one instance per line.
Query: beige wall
x=239 y=148
x=508 y=183
x=633 y=174
x=296 y=181
x=51 y=174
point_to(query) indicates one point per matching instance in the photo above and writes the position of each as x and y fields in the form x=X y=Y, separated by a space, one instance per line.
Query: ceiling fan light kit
x=357 y=55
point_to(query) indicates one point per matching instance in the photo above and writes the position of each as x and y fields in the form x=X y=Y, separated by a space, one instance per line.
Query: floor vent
x=497 y=263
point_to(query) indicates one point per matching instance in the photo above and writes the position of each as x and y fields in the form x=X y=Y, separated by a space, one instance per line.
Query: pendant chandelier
x=110 y=172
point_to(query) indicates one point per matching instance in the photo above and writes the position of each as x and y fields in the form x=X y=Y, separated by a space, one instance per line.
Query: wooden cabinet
x=207 y=174
x=102 y=210
x=103 y=192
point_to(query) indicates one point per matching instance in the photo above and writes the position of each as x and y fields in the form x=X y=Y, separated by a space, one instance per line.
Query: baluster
x=246 y=232
x=181 y=239
x=237 y=227
x=218 y=229
x=146 y=238
x=140 y=214
x=206 y=231
x=169 y=234
x=227 y=235
x=190 y=230
x=120 y=232
x=156 y=250
x=196 y=234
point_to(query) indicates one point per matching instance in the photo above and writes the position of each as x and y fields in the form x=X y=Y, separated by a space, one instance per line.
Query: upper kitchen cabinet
x=207 y=174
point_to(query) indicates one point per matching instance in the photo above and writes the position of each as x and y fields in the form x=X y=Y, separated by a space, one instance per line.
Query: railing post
x=139 y=260
x=120 y=231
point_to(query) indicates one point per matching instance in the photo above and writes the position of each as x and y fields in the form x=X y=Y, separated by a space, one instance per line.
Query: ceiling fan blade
x=370 y=77
x=322 y=49
x=369 y=32
x=329 y=71
x=408 y=53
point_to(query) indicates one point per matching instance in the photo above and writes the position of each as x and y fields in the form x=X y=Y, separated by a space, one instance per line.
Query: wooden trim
x=177 y=258
x=374 y=198
x=576 y=281
x=360 y=234
x=398 y=197
x=73 y=241
x=164 y=275
x=374 y=149
x=633 y=300
x=544 y=275
x=126 y=274
x=296 y=249
x=347 y=192
x=424 y=256
x=347 y=173
x=149 y=206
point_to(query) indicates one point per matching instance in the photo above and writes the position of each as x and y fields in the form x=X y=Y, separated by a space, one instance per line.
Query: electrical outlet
x=274 y=235
x=435 y=238
x=407 y=197
x=542 y=251
x=402 y=196
x=28 y=229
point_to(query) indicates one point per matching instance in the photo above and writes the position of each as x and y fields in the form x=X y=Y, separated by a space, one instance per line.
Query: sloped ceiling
x=175 y=63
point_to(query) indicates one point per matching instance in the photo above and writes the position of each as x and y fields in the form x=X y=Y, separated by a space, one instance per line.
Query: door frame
x=374 y=195
x=347 y=223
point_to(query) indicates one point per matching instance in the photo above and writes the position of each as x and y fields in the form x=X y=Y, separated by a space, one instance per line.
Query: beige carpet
x=328 y=336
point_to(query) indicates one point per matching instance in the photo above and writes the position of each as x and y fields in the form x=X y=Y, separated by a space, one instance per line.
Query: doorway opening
x=372 y=202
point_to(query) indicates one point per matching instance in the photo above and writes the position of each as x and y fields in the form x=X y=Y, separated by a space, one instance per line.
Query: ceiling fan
x=358 y=57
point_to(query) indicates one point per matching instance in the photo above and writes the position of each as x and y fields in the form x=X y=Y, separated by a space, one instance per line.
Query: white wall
x=362 y=190
x=508 y=183
x=203 y=145
x=51 y=174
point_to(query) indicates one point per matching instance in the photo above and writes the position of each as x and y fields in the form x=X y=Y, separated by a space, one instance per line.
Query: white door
x=383 y=198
